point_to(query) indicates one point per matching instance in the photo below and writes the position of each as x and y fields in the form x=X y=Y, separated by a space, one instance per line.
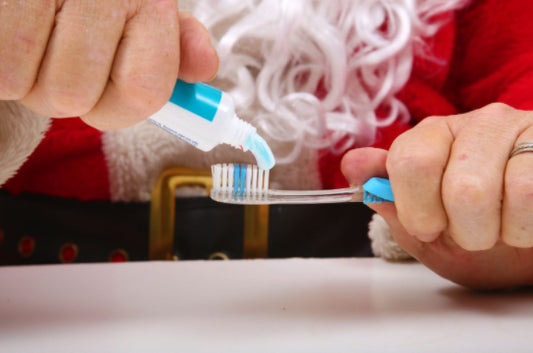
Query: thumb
x=199 y=59
x=361 y=164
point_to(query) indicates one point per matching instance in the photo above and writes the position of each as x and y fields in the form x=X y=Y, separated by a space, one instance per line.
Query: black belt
x=37 y=229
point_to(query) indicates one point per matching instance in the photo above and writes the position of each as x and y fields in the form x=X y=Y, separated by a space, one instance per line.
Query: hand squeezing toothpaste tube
x=205 y=117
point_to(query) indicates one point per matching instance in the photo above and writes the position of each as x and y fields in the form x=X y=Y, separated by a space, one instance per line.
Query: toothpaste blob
x=205 y=117
x=262 y=153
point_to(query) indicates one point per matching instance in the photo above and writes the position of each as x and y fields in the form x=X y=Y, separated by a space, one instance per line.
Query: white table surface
x=295 y=305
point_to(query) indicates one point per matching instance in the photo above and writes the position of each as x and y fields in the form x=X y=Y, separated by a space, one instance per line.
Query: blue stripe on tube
x=198 y=98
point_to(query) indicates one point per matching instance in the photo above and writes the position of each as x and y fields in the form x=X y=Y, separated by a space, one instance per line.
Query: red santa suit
x=481 y=54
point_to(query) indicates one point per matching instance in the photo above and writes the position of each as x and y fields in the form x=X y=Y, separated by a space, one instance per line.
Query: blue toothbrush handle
x=377 y=190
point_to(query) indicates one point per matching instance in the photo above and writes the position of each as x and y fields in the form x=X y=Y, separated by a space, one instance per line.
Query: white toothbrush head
x=247 y=184
x=239 y=182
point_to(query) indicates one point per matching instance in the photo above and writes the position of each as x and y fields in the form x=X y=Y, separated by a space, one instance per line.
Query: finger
x=473 y=181
x=78 y=58
x=517 y=222
x=360 y=164
x=26 y=26
x=199 y=59
x=415 y=164
x=145 y=69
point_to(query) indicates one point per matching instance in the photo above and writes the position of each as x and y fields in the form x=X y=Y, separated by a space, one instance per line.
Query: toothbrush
x=249 y=185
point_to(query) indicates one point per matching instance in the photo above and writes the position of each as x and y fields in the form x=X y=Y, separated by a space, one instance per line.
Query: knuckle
x=431 y=120
x=423 y=223
x=413 y=161
x=474 y=211
x=22 y=45
x=146 y=93
x=467 y=190
x=498 y=107
x=519 y=188
x=69 y=101
x=490 y=116
x=495 y=110
x=14 y=87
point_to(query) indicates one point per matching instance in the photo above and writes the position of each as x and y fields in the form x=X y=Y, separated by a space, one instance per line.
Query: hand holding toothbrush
x=114 y=63
x=463 y=206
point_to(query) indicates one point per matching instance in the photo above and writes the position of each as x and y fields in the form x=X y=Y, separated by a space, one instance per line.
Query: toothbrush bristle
x=253 y=186
x=224 y=171
x=248 y=179
x=240 y=181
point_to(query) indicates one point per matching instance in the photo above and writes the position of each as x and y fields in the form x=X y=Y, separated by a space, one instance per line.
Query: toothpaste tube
x=205 y=117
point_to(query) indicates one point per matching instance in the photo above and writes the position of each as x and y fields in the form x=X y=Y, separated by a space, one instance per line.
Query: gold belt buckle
x=162 y=212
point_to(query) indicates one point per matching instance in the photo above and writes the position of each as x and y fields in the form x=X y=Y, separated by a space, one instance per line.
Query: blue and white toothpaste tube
x=205 y=117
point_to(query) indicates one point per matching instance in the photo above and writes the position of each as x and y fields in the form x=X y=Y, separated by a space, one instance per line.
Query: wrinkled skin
x=462 y=207
x=114 y=63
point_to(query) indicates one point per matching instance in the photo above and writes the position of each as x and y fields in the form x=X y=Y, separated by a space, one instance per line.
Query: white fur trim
x=21 y=130
x=383 y=244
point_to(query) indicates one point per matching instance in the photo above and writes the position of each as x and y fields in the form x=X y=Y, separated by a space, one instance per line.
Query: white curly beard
x=275 y=56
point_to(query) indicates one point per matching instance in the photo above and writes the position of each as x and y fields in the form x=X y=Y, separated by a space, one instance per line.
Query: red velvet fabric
x=69 y=163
